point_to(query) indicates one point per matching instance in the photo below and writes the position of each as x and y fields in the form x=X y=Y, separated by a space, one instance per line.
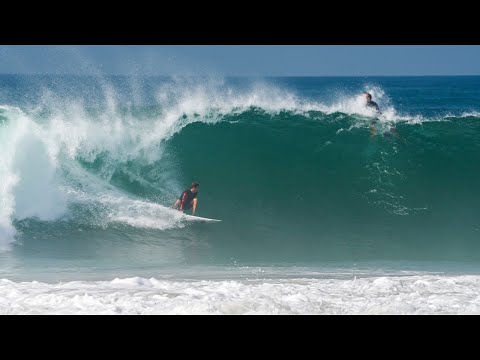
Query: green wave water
x=295 y=181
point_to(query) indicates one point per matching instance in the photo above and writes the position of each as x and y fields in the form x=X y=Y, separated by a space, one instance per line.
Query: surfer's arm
x=194 y=206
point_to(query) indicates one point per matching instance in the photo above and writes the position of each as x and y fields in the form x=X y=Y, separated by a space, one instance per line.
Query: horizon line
x=245 y=76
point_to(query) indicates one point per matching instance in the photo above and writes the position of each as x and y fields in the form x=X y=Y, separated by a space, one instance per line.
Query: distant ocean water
x=317 y=215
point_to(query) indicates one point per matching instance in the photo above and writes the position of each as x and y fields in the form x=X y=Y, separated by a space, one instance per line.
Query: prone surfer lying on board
x=188 y=199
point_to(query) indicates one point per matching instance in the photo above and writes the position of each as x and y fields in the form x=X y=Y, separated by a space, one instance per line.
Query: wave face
x=90 y=168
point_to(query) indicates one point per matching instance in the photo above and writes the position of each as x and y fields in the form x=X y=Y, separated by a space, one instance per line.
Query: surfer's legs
x=177 y=204
x=373 y=129
x=194 y=204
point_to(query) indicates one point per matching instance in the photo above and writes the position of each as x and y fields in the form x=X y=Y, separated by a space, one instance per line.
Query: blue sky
x=245 y=60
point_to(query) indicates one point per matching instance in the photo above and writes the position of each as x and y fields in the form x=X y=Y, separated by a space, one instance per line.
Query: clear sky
x=245 y=60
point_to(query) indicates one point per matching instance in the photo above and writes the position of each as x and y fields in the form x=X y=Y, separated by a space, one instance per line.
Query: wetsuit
x=186 y=199
x=374 y=106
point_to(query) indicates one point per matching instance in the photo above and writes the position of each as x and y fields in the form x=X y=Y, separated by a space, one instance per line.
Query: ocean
x=318 y=216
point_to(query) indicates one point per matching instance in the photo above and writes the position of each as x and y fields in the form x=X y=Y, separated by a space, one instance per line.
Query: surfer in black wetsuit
x=372 y=105
x=188 y=199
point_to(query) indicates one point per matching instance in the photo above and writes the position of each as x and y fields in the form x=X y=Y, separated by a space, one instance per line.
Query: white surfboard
x=202 y=219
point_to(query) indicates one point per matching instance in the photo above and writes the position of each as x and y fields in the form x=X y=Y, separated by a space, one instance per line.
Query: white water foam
x=422 y=294
x=111 y=205
x=28 y=175
x=475 y=114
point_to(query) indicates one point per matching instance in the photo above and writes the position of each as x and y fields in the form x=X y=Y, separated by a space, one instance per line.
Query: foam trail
x=119 y=208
